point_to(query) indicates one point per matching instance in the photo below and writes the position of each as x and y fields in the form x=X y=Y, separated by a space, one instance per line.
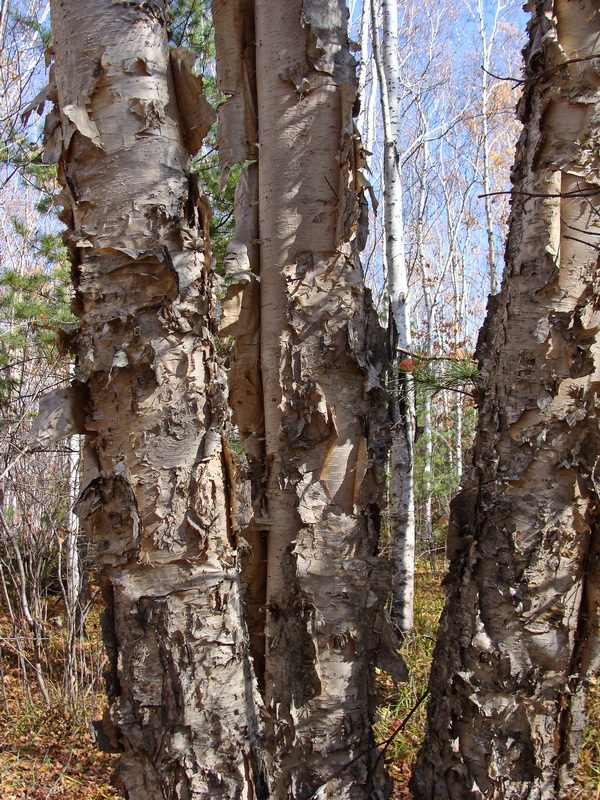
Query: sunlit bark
x=322 y=355
x=519 y=635
x=155 y=498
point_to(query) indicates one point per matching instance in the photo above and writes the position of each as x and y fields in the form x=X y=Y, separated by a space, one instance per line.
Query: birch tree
x=518 y=638
x=149 y=395
x=401 y=502
x=305 y=388
x=486 y=42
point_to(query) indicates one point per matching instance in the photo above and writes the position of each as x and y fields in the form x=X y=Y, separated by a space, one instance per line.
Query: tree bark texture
x=316 y=428
x=519 y=634
x=156 y=495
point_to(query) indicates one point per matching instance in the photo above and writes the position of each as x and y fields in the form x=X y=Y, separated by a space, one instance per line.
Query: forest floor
x=50 y=755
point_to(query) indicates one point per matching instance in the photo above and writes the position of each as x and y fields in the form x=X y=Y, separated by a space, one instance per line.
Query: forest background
x=459 y=66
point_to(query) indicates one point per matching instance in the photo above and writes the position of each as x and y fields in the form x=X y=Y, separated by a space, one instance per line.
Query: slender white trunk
x=427 y=433
x=365 y=59
x=486 y=46
x=459 y=285
x=3 y=19
x=401 y=511
x=430 y=296
x=427 y=469
x=72 y=531
x=73 y=567
x=371 y=113
x=73 y=574
x=458 y=434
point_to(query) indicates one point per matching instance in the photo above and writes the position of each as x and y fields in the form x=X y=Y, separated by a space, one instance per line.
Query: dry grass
x=50 y=756
x=417 y=651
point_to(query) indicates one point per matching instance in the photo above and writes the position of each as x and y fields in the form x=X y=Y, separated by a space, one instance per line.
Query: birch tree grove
x=155 y=499
x=221 y=431
x=518 y=638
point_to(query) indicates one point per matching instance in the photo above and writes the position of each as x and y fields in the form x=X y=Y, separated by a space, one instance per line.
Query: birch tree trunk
x=322 y=355
x=487 y=42
x=156 y=496
x=3 y=19
x=458 y=276
x=519 y=635
x=401 y=503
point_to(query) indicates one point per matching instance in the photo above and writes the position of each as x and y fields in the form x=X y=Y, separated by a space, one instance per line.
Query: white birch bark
x=366 y=87
x=455 y=265
x=459 y=280
x=487 y=42
x=155 y=498
x=74 y=575
x=518 y=638
x=427 y=435
x=3 y=20
x=322 y=354
x=322 y=469
x=73 y=572
x=430 y=298
x=401 y=503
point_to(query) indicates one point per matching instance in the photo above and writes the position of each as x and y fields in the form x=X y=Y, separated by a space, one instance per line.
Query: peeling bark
x=320 y=441
x=519 y=635
x=155 y=501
